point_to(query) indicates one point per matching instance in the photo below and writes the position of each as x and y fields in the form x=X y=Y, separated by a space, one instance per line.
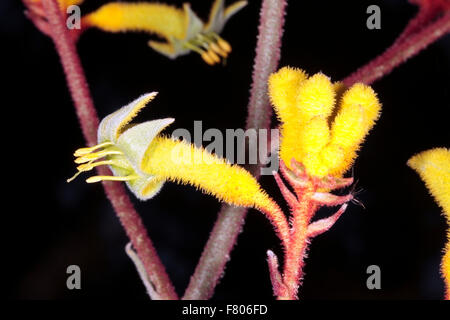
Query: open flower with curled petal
x=139 y=155
x=433 y=166
x=315 y=130
x=182 y=30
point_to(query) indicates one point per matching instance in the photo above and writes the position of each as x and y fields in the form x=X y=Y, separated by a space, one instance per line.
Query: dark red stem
x=231 y=219
x=411 y=42
x=89 y=121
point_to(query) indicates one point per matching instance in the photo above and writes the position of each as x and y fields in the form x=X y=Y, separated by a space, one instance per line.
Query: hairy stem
x=231 y=219
x=294 y=259
x=409 y=44
x=89 y=121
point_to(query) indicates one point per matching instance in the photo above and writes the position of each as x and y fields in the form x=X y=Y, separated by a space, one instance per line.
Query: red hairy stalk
x=307 y=200
x=431 y=23
x=89 y=121
x=231 y=219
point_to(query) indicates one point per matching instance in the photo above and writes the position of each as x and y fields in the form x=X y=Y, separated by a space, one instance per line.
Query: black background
x=49 y=224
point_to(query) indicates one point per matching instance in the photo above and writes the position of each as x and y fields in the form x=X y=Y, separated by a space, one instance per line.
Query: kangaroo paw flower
x=433 y=166
x=144 y=159
x=182 y=30
x=318 y=144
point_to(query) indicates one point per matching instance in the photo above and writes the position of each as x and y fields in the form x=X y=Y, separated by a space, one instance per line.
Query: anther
x=83 y=151
x=218 y=50
x=90 y=165
x=96 y=155
x=213 y=56
x=225 y=46
x=207 y=58
x=110 y=178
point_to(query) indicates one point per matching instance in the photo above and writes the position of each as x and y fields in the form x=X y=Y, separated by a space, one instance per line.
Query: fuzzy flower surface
x=322 y=123
x=433 y=166
x=182 y=30
x=141 y=156
x=144 y=159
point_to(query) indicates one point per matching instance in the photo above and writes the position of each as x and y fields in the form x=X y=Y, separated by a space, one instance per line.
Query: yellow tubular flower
x=433 y=166
x=364 y=96
x=138 y=155
x=315 y=97
x=306 y=108
x=283 y=87
x=184 y=163
x=348 y=127
x=182 y=30
x=161 y=19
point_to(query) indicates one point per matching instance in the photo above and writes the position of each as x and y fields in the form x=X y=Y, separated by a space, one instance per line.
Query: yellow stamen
x=218 y=50
x=90 y=165
x=96 y=155
x=83 y=151
x=224 y=45
x=207 y=58
x=213 y=56
x=110 y=178
x=73 y=177
x=79 y=171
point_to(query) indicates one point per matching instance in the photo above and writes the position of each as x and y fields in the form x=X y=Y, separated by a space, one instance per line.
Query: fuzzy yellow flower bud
x=364 y=96
x=283 y=88
x=348 y=127
x=433 y=166
x=315 y=97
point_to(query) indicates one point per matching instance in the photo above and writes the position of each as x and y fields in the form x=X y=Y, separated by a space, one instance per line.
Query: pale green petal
x=135 y=141
x=219 y=15
x=112 y=126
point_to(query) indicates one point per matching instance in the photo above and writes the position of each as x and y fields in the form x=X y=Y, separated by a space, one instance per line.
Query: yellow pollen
x=207 y=58
x=218 y=50
x=224 y=45
x=213 y=56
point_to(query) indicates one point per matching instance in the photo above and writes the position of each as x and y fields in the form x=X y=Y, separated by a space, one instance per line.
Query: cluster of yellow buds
x=316 y=132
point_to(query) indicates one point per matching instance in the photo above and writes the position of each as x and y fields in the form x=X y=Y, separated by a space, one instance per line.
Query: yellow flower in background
x=182 y=30
x=315 y=130
x=62 y=3
x=433 y=166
